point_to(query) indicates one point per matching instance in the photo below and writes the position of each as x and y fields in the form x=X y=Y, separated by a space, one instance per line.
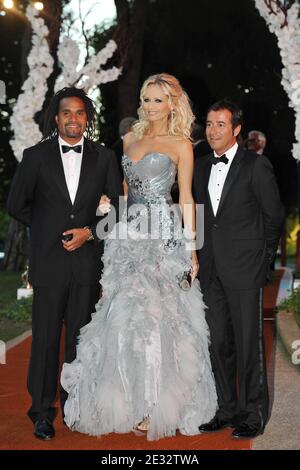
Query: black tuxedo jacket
x=39 y=198
x=242 y=238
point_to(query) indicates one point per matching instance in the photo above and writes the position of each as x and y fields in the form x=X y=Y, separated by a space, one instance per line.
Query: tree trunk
x=130 y=40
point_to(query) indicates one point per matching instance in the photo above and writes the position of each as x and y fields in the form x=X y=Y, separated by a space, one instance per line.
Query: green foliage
x=12 y=312
x=18 y=310
x=292 y=228
x=292 y=304
x=9 y=283
x=102 y=34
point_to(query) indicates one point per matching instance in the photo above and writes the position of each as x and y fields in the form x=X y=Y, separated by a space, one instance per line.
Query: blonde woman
x=143 y=361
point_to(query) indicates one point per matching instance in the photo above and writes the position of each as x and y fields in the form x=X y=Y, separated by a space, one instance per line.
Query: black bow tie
x=67 y=148
x=215 y=160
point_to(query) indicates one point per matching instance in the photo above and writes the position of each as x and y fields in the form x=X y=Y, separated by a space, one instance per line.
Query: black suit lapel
x=207 y=171
x=88 y=166
x=231 y=176
x=58 y=169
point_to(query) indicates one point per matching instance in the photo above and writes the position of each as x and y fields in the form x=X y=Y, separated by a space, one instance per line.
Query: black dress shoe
x=215 y=424
x=246 y=431
x=44 y=430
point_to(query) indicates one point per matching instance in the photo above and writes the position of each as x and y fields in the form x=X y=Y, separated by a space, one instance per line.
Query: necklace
x=158 y=135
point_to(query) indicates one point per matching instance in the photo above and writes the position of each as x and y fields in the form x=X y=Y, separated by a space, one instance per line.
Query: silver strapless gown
x=145 y=351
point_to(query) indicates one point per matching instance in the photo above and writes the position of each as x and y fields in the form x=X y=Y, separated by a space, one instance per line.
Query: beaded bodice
x=150 y=179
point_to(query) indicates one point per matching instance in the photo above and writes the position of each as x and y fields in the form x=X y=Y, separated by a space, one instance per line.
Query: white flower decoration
x=287 y=31
x=34 y=89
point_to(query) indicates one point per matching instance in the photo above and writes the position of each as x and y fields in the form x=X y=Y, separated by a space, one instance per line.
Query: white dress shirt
x=218 y=176
x=72 y=166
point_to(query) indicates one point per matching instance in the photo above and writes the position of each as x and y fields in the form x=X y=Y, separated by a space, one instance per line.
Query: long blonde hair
x=181 y=117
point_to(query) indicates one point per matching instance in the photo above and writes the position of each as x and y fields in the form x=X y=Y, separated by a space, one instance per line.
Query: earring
x=172 y=115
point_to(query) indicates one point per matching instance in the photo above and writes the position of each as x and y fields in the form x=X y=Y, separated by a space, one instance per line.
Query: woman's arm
x=125 y=188
x=186 y=201
x=128 y=140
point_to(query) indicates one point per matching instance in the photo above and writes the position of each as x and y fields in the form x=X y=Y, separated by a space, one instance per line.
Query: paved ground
x=283 y=429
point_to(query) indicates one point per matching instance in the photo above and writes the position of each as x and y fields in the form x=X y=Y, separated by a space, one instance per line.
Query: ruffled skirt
x=145 y=351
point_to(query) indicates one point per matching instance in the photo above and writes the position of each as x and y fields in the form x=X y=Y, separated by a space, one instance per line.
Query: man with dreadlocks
x=56 y=191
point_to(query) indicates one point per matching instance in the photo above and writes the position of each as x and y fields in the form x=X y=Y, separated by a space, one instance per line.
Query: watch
x=91 y=236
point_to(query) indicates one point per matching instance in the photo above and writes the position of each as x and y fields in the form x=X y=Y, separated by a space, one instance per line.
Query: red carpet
x=16 y=428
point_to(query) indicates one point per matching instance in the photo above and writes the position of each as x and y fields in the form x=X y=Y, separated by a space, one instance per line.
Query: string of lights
x=10 y=5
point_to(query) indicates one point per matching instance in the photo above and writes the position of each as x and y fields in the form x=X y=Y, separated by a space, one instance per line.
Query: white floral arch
x=34 y=89
x=284 y=22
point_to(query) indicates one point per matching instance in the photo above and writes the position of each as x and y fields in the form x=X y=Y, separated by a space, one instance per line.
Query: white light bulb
x=8 y=4
x=39 y=5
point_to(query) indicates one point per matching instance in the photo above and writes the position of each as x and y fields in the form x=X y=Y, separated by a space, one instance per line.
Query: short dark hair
x=236 y=112
x=50 y=127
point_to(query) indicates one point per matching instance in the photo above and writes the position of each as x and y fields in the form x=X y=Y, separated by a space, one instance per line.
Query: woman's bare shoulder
x=129 y=139
x=185 y=144
x=184 y=147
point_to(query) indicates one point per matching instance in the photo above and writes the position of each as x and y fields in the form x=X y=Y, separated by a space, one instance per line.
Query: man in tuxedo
x=256 y=142
x=56 y=191
x=243 y=217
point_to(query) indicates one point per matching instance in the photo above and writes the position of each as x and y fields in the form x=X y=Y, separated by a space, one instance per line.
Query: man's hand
x=104 y=205
x=80 y=236
x=195 y=266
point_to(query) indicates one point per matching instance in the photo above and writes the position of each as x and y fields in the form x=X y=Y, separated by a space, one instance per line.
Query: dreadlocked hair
x=50 y=127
